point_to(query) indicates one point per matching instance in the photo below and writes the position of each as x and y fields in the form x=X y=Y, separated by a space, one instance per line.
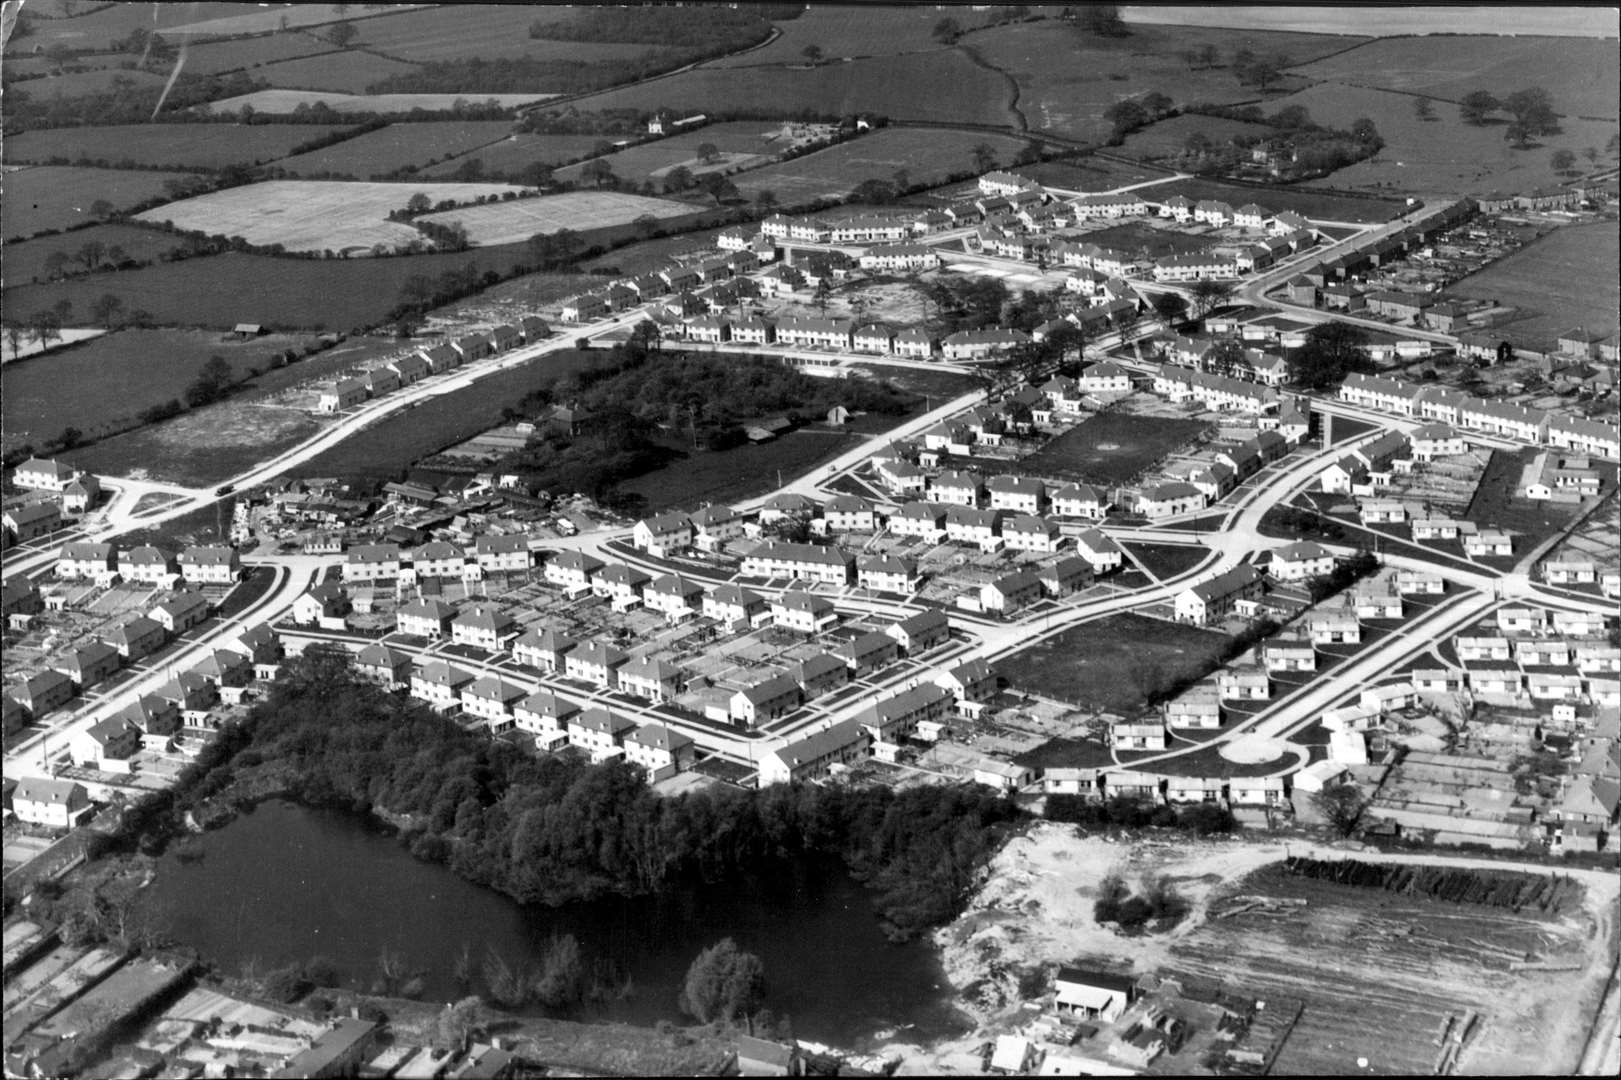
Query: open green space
x=101 y=384
x=206 y=146
x=1117 y=664
x=844 y=30
x=1166 y=560
x=60 y=196
x=1067 y=78
x=929 y=155
x=1092 y=173
x=1562 y=280
x=1581 y=74
x=201 y=448
x=399 y=146
x=1064 y=753
x=102 y=25
x=945 y=87
x=229 y=20
x=72 y=84
x=693 y=478
x=1112 y=447
x=1443 y=156
x=220 y=291
x=1311 y=202
x=513 y=154
x=347 y=72
x=27 y=260
x=1134 y=236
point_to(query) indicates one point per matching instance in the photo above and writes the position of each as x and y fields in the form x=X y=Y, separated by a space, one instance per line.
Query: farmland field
x=945 y=87
x=59 y=196
x=222 y=290
x=1111 y=448
x=739 y=142
x=518 y=220
x=1091 y=173
x=25 y=259
x=1562 y=280
x=930 y=155
x=1157 y=242
x=215 y=57
x=232 y=20
x=348 y=72
x=841 y=31
x=208 y=146
x=1312 y=203
x=311 y=215
x=1580 y=74
x=105 y=382
x=1067 y=81
x=1166 y=138
x=1440 y=156
x=97 y=30
x=1116 y=663
x=286 y=101
x=75 y=83
x=512 y=154
x=378 y=153
x=488 y=31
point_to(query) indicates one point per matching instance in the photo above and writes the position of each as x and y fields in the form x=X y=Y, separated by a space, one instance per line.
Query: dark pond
x=284 y=883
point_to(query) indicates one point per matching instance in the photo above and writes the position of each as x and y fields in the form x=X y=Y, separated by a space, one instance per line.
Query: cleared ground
x=285 y=101
x=398 y=146
x=209 y=146
x=511 y=222
x=1580 y=74
x=1111 y=448
x=98 y=29
x=1563 y=280
x=1114 y=664
x=928 y=156
x=202 y=448
x=60 y=196
x=312 y=215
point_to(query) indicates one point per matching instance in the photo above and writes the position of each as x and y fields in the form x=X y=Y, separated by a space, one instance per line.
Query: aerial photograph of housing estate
x=832 y=539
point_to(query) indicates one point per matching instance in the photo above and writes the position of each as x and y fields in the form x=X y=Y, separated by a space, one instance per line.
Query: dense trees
x=723 y=984
x=1332 y=351
x=1101 y=19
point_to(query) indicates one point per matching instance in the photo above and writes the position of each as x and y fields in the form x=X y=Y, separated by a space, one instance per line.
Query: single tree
x=678 y=179
x=1156 y=103
x=1475 y=106
x=1208 y=295
x=708 y=152
x=1517 y=133
x=723 y=984
x=1340 y=806
x=1563 y=161
x=1226 y=358
x=1533 y=108
x=418 y=204
x=598 y=171
x=947 y=31
x=1266 y=70
x=873 y=191
x=645 y=224
x=102 y=209
x=105 y=308
x=1208 y=56
x=116 y=256
x=1591 y=154
x=56 y=264
x=1423 y=108
x=90 y=253
x=984 y=157
x=1170 y=307
x=1363 y=131
x=15 y=336
x=1126 y=116
x=1103 y=20
x=342 y=33
x=765 y=199
x=813 y=53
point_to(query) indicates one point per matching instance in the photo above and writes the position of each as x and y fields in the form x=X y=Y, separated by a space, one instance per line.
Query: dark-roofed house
x=180 y=611
x=818 y=674
x=543 y=712
x=596 y=663
x=919 y=632
x=41 y=693
x=815 y=754
x=764 y=701
x=660 y=751
x=135 y=638
x=384 y=666
x=89 y=664
x=338 y=1052
x=868 y=653
x=1217 y=598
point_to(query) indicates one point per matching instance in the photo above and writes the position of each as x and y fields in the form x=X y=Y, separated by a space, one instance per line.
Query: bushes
x=1202 y=819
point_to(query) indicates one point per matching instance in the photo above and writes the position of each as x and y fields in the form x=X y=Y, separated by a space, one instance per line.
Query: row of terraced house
x=414 y=367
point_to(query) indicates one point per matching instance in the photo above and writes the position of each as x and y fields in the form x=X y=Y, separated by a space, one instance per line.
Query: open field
x=286 y=101
x=1442 y=156
x=1090 y=173
x=703 y=476
x=60 y=196
x=398 y=146
x=1067 y=81
x=488 y=31
x=216 y=57
x=743 y=143
x=1310 y=202
x=25 y=259
x=929 y=155
x=347 y=72
x=312 y=215
x=1559 y=281
x=518 y=220
x=222 y=290
x=945 y=87
x=98 y=29
x=204 y=447
x=74 y=83
x=208 y=146
x=103 y=383
x=1157 y=242
x=270 y=17
x=515 y=152
x=646 y=256
x=1165 y=560
x=1166 y=138
x=1116 y=663
x=1580 y=74
x=1111 y=448
x=1497 y=502
x=841 y=31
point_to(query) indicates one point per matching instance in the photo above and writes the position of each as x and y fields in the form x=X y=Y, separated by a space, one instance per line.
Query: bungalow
x=766 y=701
x=735 y=607
x=1385 y=511
x=180 y=611
x=1435 y=681
x=1194 y=789
x=658 y=750
x=1290 y=654
x=868 y=653
x=1570 y=572
x=1376 y=604
x=491 y=698
x=1299 y=561
x=595 y=663
x=1093 y=995
x=1244 y=683
x=815 y=754
x=1217 y=598
x=918 y=633
x=428 y=617
x=887 y=573
x=1577 y=623
x=1488 y=542
x=1010 y=592
x=1168 y=499
x=543 y=712
x=620 y=585
x=1134 y=736
x=1200 y=707
x=81 y=559
x=1334 y=628
x=663 y=534
x=440 y=684
x=600 y=733
x=1473 y=648
x=1080 y=501
x=483 y=626
x=1492 y=677
x=1255 y=791
x=654 y=680
x=1438 y=528
x=1063 y=780
x=573 y=571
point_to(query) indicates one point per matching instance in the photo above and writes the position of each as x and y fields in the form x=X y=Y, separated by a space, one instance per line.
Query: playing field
x=398 y=146
x=1443 y=156
x=1111 y=448
x=285 y=101
x=511 y=222
x=312 y=215
x=929 y=155
x=1563 y=280
x=1580 y=74
x=209 y=146
x=60 y=197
